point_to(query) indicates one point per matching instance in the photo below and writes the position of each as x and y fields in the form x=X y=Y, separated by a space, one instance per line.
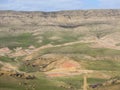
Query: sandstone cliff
x=61 y=18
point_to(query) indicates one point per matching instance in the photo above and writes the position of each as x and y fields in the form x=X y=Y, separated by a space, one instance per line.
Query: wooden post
x=85 y=82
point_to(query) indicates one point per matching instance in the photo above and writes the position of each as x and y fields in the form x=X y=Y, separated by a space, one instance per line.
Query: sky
x=57 y=5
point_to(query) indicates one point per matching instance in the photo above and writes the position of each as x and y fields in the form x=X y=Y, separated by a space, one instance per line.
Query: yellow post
x=85 y=82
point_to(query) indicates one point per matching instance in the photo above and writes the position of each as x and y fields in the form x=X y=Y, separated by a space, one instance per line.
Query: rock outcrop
x=65 y=19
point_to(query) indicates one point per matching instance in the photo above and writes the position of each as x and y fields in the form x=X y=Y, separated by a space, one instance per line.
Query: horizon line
x=61 y=10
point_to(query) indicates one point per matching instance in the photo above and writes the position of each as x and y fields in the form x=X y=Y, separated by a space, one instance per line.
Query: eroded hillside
x=59 y=48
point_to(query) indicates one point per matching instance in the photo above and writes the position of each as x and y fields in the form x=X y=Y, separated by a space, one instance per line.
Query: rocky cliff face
x=64 y=19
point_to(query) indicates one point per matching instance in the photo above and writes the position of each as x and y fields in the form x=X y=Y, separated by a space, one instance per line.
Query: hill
x=56 y=49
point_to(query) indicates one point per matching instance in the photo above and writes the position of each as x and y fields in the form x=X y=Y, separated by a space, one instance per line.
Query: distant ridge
x=58 y=18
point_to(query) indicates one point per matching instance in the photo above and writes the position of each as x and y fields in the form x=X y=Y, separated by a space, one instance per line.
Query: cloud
x=109 y=3
x=56 y=5
x=44 y=5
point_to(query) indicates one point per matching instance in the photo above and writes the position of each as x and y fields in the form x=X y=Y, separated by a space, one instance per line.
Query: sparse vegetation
x=41 y=83
x=107 y=65
x=20 y=40
x=7 y=59
x=58 y=32
x=82 y=48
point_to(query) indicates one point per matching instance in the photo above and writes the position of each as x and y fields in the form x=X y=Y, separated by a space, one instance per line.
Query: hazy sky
x=56 y=5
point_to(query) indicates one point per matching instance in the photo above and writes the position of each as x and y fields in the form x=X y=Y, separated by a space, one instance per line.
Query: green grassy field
x=7 y=59
x=41 y=83
x=18 y=40
x=103 y=61
x=59 y=37
x=82 y=48
x=107 y=65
